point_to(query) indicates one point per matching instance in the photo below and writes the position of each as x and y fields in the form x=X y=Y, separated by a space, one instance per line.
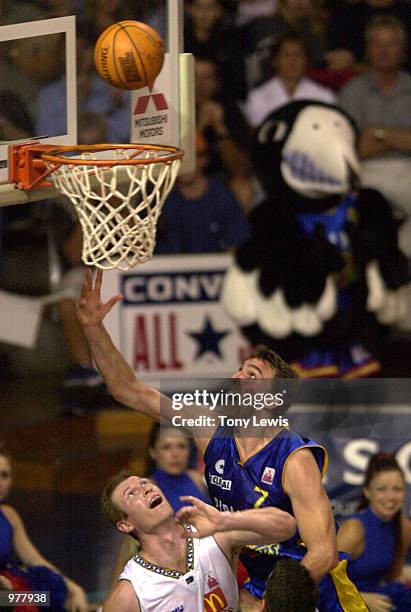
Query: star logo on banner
x=208 y=339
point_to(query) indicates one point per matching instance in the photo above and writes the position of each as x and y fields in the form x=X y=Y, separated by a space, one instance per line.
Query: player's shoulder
x=128 y=572
x=288 y=435
x=288 y=442
x=301 y=461
x=281 y=448
x=123 y=597
x=294 y=444
x=306 y=463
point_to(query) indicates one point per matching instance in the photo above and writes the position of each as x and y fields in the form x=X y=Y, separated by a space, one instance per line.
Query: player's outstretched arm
x=235 y=529
x=123 y=598
x=312 y=511
x=118 y=375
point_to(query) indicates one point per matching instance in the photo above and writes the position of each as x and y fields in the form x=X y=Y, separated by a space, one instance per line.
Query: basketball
x=129 y=54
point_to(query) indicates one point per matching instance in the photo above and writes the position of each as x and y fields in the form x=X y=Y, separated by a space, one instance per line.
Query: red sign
x=142 y=102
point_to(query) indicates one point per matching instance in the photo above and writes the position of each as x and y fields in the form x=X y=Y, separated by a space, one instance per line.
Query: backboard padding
x=164 y=114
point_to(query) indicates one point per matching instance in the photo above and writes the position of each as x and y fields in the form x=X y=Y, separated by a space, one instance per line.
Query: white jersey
x=208 y=585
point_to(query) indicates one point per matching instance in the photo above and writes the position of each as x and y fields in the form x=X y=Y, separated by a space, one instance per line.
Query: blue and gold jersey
x=257 y=483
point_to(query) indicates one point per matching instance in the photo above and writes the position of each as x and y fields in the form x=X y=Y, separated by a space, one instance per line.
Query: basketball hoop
x=118 y=192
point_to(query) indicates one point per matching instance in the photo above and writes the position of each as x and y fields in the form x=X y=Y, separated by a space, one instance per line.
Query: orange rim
x=56 y=156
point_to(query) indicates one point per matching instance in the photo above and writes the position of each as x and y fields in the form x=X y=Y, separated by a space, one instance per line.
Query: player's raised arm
x=90 y=313
x=118 y=375
x=235 y=529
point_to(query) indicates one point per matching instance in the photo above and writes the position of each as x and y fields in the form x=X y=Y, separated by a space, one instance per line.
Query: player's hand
x=377 y=602
x=90 y=309
x=205 y=518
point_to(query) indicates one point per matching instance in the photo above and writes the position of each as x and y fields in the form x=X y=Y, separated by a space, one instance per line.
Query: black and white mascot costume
x=321 y=271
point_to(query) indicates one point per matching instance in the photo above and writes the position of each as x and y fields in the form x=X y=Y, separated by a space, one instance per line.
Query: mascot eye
x=337 y=124
x=316 y=126
x=272 y=130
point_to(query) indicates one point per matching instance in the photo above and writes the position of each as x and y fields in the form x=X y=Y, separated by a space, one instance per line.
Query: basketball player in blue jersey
x=278 y=468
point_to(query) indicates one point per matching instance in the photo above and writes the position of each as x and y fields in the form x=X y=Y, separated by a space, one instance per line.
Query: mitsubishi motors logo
x=158 y=99
x=154 y=113
x=151 y=118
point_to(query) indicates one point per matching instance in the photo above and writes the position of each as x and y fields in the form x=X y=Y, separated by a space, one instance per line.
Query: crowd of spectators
x=251 y=56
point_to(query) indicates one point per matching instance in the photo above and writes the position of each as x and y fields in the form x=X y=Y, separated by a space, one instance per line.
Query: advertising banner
x=171 y=324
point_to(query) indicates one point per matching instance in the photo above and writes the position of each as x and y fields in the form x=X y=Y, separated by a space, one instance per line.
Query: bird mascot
x=321 y=273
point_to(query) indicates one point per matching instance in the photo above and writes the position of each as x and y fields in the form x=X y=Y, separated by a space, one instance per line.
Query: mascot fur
x=321 y=270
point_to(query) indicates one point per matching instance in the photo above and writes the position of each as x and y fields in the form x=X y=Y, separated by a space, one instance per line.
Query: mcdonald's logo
x=215 y=601
x=142 y=102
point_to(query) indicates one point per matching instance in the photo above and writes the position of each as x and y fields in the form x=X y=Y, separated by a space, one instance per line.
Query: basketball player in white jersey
x=181 y=567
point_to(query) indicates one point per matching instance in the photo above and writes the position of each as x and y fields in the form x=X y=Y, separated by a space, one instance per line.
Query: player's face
x=254 y=376
x=171 y=453
x=386 y=493
x=143 y=502
x=5 y=477
x=254 y=368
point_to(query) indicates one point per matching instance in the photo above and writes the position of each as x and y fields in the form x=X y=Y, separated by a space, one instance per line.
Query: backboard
x=169 y=105
x=37 y=63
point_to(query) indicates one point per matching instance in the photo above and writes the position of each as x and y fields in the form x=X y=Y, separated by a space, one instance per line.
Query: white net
x=119 y=206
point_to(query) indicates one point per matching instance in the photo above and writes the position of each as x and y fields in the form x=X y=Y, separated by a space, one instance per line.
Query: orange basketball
x=129 y=54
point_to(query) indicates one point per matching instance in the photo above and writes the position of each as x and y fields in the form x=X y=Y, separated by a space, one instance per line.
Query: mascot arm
x=386 y=266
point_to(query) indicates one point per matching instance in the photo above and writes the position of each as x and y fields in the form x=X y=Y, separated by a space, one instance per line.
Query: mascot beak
x=319 y=156
x=353 y=168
